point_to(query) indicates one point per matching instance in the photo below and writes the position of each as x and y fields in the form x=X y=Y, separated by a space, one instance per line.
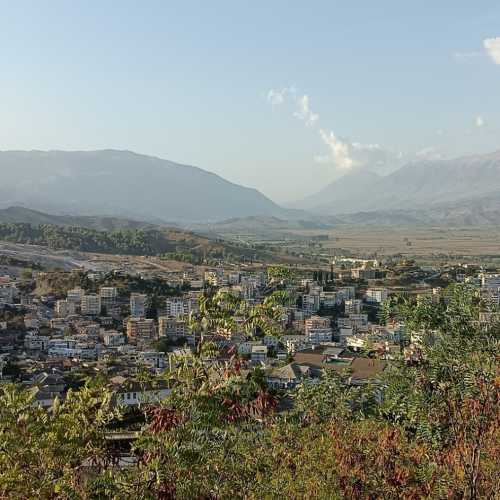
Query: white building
x=377 y=295
x=177 y=306
x=91 y=305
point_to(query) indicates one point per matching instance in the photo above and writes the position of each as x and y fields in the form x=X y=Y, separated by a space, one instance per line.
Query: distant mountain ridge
x=418 y=185
x=124 y=184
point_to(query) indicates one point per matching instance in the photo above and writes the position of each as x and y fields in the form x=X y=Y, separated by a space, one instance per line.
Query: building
x=287 y=377
x=75 y=295
x=169 y=326
x=377 y=295
x=140 y=329
x=258 y=354
x=138 y=305
x=35 y=342
x=112 y=338
x=152 y=359
x=108 y=295
x=353 y=306
x=177 y=306
x=91 y=305
x=65 y=308
x=131 y=393
x=310 y=303
x=7 y=294
x=318 y=330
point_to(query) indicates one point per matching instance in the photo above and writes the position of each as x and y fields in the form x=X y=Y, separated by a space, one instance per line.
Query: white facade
x=377 y=295
x=91 y=305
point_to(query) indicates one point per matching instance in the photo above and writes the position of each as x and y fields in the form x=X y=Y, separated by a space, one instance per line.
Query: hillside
x=124 y=184
x=36 y=218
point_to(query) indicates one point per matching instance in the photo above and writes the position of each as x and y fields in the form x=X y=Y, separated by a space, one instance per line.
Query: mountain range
x=426 y=186
x=124 y=184
x=111 y=189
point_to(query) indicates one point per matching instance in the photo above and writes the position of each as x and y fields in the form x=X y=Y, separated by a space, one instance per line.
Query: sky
x=282 y=96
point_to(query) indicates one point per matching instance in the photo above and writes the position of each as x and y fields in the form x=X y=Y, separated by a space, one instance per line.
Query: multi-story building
x=310 y=303
x=330 y=299
x=33 y=341
x=170 y=326
x=353 y=306
x=91 y=305
x=177 y=306
x=108 y=295
x=153 y=359
x=140 y=329
x=75 y=295
x=318 y=330
x=7 y=293
x=65 y=308
x=113 y=338
x=138 y=305
x=377 y=295
x=347 y=292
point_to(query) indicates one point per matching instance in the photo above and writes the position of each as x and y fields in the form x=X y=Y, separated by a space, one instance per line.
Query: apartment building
x=318 y=330
x=108 y=295
x=65 y=308
x=170 y=326
x=353 y=306
x=177 y=306
x=376 y=295
x=75 y=295
x=91 y=305
x=140 y=329
x=138 y=305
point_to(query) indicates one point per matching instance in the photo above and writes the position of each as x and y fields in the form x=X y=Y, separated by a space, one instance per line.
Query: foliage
x=430 y=429
x=41 y=453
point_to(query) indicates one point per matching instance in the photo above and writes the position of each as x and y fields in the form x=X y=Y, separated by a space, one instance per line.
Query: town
x=118 y=324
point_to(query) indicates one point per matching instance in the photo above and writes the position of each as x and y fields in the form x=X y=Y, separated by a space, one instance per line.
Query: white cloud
x=339 y=151
x=276 y=97
x=304 y=112
x=492 y=46
x=479 y=121
x=344 y=154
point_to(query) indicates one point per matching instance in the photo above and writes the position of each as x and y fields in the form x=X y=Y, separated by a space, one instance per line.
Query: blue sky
x=221 y=84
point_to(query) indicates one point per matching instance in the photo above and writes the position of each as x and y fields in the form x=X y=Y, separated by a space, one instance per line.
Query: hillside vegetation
x=173 y=244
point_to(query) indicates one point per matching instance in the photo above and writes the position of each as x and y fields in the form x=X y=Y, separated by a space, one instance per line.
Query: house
x=287 y=377
x=359 y=370
x=258 y=354
x=132 y=393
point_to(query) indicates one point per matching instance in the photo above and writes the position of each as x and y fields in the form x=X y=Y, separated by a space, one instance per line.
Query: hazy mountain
x=122 y=183
x=417 y=185
x=340 y=194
